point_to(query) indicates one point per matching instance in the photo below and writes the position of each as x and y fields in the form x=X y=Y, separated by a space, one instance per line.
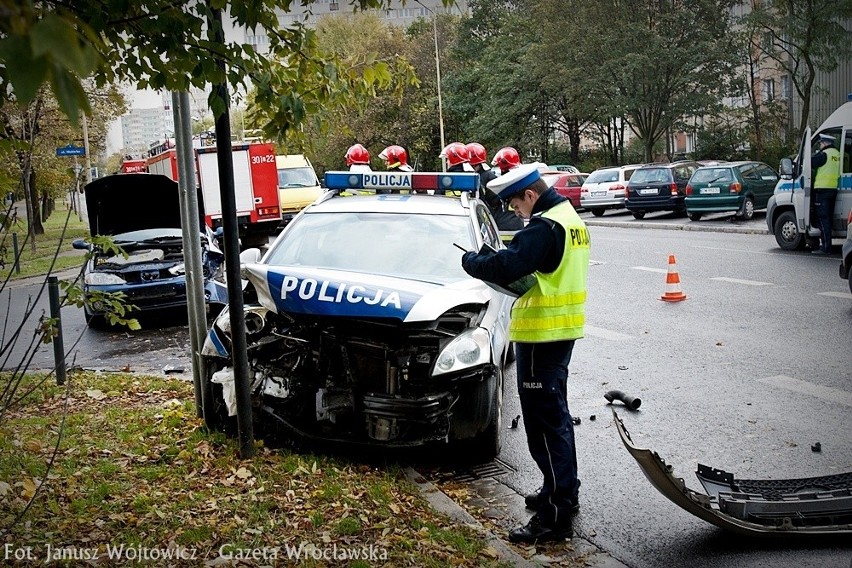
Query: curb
x=510 y=509
x=678 y=227
x=442 y=503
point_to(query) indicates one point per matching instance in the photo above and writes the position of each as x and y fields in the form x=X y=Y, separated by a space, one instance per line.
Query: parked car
x=140 y=212
x=566 y=184
x=659 y=187
x=566 y=168
x=392 y=345
x=739 y=187
x=605 y=189
x=298 y=184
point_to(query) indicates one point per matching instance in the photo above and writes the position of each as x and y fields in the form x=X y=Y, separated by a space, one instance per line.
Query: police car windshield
x=419 y=247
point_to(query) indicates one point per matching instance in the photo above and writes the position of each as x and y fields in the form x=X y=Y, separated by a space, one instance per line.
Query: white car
x=362 y=326
x=606 y=188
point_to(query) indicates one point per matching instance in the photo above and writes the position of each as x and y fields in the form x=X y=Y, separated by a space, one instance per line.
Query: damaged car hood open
x=317 y=291
x=768 y=507
x=123 y=203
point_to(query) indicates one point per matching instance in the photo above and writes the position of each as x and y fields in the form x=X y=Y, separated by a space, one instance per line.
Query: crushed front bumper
x=786 y=507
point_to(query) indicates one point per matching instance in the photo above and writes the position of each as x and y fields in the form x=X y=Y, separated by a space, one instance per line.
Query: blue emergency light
x=462 y=181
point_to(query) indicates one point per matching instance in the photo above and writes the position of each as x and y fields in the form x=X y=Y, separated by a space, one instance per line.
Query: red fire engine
x=255 y=185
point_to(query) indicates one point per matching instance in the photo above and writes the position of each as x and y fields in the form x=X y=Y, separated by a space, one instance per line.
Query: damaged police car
x=362 y=327
x=145 y=269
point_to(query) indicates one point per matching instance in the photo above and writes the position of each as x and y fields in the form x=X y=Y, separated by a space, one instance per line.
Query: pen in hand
x=460 y=247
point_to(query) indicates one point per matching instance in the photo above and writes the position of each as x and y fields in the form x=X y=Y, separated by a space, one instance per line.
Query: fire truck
x=255 y=185
x=132 y=166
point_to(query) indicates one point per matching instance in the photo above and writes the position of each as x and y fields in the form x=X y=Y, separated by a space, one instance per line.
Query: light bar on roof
x=462 y=181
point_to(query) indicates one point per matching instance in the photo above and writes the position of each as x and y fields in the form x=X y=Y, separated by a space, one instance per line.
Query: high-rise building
x=141 y=126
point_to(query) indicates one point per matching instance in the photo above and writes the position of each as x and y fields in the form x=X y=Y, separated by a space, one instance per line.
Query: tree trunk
x=36 y=220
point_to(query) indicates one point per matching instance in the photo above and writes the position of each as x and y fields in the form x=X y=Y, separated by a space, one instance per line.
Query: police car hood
x=327 y=292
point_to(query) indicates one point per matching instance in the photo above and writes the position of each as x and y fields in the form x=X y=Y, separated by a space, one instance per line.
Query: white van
x=789 y=214
x=298 y=185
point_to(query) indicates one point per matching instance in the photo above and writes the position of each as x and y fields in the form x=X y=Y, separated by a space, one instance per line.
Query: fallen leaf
x=95 y=394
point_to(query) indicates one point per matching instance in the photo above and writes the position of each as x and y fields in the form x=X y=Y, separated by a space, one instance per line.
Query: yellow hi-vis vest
x=553 y=309
x=828 y=174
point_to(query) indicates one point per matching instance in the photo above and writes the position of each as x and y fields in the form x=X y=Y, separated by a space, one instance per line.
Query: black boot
x=534 y=531
x=534 y=501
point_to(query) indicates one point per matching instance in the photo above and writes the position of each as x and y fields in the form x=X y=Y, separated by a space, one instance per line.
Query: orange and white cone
x=673 y=291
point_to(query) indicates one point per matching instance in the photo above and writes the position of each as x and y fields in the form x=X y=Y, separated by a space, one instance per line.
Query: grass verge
x=136 y=478
x=56 y=238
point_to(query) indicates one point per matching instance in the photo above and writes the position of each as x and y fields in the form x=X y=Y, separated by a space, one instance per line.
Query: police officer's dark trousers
x=824 y=200
x=543 y=389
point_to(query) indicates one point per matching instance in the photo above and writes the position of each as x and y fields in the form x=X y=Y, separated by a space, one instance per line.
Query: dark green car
x=738 y=187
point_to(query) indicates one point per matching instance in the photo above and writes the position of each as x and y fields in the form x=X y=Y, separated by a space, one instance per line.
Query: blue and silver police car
x=362 y=326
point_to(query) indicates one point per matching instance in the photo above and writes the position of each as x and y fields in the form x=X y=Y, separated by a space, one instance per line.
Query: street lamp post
x=438 y=76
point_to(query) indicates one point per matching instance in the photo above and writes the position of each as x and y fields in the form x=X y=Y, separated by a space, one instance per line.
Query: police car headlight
x=471 y=348
x=102 y=279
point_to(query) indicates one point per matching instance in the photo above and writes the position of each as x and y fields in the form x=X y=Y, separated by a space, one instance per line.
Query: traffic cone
x=673 y=291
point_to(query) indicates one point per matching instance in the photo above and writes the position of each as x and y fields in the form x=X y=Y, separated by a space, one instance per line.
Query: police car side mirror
x=786 y=168
x=250 y=256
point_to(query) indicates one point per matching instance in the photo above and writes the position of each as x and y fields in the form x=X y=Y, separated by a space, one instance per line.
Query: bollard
x=15 y=251
x=58 y=344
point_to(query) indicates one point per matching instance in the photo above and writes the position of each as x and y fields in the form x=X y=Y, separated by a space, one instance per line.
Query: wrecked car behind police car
x=140 y=212
x=362 y=326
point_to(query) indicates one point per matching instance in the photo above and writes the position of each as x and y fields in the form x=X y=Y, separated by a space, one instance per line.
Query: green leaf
x=56 y=38
x=69 y=93
x=25 y=72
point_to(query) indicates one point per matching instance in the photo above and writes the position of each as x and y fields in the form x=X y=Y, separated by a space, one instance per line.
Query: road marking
x=827 y=394
x=647 y=269
x=606 y=334
x=738 y=281
x=836 y=295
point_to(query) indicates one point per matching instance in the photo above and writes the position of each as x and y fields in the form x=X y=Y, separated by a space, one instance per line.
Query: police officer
x=826 y=164
x=546 y=321
x=506 y=220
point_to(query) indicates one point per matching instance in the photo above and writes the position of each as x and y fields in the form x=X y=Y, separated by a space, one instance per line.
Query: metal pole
x=239 y=347
x=86 y=149
x=17 y=254
x=438 y=76
x=58 y=344
x=190 y=225
x=438 y=73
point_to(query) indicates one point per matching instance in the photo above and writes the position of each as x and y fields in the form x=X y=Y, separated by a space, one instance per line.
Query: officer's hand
x=467 y=258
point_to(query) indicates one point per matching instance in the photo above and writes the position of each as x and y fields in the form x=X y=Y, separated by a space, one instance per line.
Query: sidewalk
x=502 y=509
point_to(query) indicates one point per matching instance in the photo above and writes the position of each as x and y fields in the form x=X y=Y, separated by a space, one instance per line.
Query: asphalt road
x=745 y=375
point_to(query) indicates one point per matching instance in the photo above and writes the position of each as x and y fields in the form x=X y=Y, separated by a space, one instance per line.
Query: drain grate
x=494 y=468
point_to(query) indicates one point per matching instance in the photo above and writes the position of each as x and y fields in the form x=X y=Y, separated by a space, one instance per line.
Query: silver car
x=606 y=188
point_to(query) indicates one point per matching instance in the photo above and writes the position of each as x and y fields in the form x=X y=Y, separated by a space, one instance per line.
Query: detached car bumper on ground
x=363 y=328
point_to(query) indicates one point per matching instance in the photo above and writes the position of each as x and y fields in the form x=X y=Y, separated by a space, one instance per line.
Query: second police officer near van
x=506 y=220
x=546 y=321
x=826 y=165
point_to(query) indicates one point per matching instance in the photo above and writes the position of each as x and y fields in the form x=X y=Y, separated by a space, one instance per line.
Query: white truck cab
x=789 y=214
